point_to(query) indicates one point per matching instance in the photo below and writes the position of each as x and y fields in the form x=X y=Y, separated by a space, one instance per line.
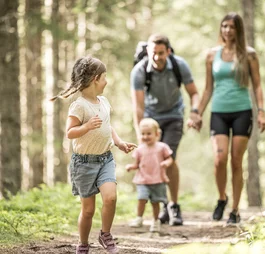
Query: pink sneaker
x=107 y=242
x=82 y=249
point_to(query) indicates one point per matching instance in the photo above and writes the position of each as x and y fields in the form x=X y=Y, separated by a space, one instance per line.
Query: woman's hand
x=261 y=121
x=195 y=121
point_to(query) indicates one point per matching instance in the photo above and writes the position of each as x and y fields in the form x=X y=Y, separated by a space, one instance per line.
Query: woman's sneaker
x=136 y=223
x=234 y=218
x=107 y=242
x=219 y=209
x=155 y=226
x=82 y=249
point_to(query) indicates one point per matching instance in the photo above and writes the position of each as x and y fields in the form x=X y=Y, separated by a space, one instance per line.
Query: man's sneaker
x=219 y=209
x=163 y=216
x=107 y=242
x=234 y=218
x=155 y=226
x=82 y=249
x=136 y=223
x=174 y=213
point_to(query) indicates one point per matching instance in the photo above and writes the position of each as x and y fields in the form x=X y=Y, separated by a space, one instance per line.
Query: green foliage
x=38 y=213
x=47 y=211
x=255 y=231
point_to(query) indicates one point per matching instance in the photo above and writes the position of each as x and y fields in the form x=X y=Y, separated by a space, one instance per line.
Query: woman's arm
x=207 y=94
x=257 y=89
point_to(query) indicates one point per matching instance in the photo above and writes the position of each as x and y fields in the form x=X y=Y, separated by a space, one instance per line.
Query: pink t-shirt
x=149 y=159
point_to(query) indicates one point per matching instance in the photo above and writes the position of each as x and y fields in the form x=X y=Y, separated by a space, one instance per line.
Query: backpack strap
x=148 y=74
x=175 y=69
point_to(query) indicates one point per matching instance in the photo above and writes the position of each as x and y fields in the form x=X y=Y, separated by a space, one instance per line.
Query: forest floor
x=197 y=228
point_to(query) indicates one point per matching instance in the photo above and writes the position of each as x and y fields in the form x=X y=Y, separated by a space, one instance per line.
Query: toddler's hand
x=128 y=167
x=163 y=165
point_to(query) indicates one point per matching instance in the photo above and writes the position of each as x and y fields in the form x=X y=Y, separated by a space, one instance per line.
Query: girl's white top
x=97 y=141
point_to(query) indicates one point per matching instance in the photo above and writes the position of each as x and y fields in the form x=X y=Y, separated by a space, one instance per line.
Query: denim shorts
x=153 y=192
x=88 y=172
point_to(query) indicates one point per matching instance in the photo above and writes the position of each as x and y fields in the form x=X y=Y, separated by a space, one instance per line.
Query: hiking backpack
x=141 y=53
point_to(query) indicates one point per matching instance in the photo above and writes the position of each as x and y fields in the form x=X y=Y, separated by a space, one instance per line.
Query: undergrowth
x=47 y=211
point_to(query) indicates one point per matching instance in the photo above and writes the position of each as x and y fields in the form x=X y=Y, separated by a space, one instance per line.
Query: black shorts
x=172 y=130
x=239 y=122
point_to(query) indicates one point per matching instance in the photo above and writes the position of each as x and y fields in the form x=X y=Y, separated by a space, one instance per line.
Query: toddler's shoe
x=136 y=223
x=155 y=226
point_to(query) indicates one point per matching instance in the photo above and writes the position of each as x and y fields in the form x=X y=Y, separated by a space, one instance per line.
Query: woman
x=228 y=70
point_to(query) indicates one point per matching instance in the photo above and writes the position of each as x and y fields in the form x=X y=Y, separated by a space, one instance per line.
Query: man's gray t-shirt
x=164 y=99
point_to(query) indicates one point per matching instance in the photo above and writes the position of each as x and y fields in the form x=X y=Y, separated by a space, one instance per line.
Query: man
x=163 y=102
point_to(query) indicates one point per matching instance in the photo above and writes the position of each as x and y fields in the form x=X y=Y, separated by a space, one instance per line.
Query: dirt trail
x=197 y=227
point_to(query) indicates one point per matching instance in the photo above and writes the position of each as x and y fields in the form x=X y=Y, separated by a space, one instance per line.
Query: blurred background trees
x=41 y=39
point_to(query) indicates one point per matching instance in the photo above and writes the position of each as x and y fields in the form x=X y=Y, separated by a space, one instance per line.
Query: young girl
x=92 y=166
x=152 y=158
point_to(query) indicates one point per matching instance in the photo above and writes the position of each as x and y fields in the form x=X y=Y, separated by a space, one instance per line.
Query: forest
x=40 y=41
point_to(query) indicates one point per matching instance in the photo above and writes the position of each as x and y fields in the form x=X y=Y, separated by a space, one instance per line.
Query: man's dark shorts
x=172 y=130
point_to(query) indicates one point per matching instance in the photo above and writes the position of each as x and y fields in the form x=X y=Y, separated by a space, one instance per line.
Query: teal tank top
x=228 y=95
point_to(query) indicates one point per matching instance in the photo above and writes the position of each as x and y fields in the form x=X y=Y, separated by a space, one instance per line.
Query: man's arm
x=194 y=102
x=138 y=108
x=193 y=94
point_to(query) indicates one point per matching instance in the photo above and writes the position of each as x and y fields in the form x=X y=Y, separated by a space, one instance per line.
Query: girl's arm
x=75 y=129
x=255 y=78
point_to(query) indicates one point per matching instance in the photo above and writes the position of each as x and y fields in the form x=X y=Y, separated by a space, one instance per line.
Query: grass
x=42 y=212
x=47 y=211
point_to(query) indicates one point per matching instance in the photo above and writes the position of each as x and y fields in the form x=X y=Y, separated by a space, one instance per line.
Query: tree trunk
x=35 y=136
x=60 y=160
x=253 y=184
x=10 y=137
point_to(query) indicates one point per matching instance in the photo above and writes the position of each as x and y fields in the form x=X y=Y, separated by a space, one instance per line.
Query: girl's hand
x=94 y=123
x=126 y=147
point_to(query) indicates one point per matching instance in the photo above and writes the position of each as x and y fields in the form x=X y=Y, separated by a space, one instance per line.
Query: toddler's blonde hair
x=152 y=123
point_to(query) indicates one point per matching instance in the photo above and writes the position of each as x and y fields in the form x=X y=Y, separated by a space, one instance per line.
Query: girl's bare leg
x=109 y=197
x=85 y=218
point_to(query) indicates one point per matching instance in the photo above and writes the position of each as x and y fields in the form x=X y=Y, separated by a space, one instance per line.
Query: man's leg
x=173 y=175
x=171 y=134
